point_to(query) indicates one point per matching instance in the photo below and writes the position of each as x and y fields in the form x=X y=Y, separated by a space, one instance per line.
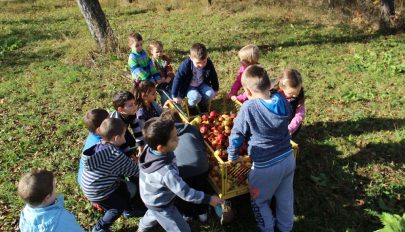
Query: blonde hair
x=198 y=51
x=134 y=37
x=155 y=44
x=249 y=53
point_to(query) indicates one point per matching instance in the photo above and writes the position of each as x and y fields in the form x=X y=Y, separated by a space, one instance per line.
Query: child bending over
x=248 y=55
x=159 y=179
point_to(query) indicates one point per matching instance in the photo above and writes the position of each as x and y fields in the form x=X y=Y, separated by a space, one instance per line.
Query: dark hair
x=255 y=77
x=111 y=127
x=198 y=51
x=134 y=37
x=93 y=119
x=121 y=97
x=142 y=88
x=157 y=131
x=173 y=115
x=34 y=186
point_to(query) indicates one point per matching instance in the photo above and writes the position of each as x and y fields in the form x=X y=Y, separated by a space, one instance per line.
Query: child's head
x=113 y=130
x=160 y=134
x=173 y=115
x=94 y=118
x=135 y=41
x=124 y=103
x=156 y=49
x=249 y=55
x=199 y=55
x=255 y=80
x=37 y=188
x=290 y=82
x=145 y=93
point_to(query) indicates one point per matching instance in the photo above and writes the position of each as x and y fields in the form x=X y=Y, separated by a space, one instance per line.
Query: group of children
x=117 y=165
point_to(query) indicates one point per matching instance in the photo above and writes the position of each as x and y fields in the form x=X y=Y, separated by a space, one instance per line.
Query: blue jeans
x=201 y=93
x=277 y=181
x=116 y=204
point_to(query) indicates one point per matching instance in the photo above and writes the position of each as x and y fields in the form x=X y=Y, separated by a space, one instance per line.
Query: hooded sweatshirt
x=52 y=218
x=264 y=126
x=104 y=166
x=191 y=156
x=159 y=181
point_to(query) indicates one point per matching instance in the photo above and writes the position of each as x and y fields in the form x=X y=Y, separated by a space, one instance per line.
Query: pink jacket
x=237 y=85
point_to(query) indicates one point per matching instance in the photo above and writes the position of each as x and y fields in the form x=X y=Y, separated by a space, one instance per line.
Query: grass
x=351 y=166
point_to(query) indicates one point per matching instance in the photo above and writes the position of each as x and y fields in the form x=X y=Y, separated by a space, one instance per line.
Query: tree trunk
x=98 y=25
x=387 y=11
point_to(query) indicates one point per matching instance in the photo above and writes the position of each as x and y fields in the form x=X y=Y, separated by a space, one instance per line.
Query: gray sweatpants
x=169 y=218
x=277 y=181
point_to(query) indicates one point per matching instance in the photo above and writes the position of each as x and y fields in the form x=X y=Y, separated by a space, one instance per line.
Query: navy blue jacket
x=184 y=76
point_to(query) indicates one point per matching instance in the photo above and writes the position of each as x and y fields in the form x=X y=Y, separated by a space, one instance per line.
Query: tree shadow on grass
x=330 y=193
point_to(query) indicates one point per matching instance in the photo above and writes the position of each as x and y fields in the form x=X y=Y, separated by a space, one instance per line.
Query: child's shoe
x=101 y=230
x=203 y=217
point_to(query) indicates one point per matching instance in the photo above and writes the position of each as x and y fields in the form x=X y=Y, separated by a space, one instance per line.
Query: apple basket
x=227 y=179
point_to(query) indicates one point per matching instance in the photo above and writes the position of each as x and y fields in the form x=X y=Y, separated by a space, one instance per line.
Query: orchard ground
x=351 y=164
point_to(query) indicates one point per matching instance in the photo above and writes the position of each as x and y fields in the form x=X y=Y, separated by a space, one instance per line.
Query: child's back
x=51 y=218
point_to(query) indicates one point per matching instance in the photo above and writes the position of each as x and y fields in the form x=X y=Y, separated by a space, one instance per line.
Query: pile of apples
x=216 y=128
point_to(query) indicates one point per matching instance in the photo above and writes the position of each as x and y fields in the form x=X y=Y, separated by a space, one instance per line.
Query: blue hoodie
x=50 y=218
x=264 y=126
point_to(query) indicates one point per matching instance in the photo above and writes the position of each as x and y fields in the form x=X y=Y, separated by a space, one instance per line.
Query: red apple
x=203 y=130
x=233 y=115
x=213 y=114
x=204 y=117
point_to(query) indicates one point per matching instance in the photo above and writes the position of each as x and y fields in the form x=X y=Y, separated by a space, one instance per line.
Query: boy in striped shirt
x=105 y=165
x=139 y=63
x=124 y=104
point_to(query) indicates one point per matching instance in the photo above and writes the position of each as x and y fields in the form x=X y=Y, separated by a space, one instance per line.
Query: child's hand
x=177 y=100
x=233 y=98
x=166 y=105
x=238 y=160
x=215 y=200
x=134 y=158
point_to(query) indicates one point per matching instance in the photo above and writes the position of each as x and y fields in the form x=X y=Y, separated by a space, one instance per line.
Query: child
x=124 y=104
x=196 y=79
x=248 y=55
x=102 y=180
x=159 y=179
x=290 y=84
x=263 y=123
x=44 y=210
x=92 y=121
x=145 y=96
x=139 y=62
x=192 y=162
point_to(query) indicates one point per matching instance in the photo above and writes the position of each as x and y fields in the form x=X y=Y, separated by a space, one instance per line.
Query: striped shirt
x=104 y=166
x=134 y=123
x=142 y=67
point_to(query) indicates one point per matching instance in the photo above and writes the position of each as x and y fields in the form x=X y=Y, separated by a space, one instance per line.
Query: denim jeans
x=201 y=93
x=115 y=205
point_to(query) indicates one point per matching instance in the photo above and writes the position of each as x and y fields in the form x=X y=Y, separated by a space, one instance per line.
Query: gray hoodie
x=159 y=181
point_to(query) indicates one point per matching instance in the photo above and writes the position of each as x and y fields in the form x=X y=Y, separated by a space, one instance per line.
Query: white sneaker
x=203 y=217
x=187 y=219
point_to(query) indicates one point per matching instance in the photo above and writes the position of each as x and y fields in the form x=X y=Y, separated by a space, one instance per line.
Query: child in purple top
x=145 y=96
x=248 y=55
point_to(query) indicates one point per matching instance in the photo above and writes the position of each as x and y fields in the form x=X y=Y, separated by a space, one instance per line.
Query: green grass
x=352 y=163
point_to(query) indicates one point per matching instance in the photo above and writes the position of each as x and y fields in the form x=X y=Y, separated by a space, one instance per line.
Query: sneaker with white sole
x=203 y=217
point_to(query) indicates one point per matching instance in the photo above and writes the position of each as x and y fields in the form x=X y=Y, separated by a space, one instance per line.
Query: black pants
x=199 y=183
